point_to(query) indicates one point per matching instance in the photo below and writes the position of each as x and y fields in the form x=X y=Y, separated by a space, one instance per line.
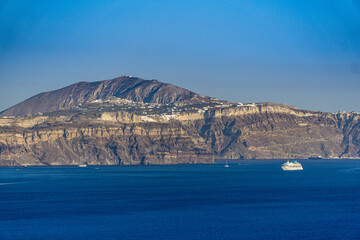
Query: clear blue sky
x=300 y=52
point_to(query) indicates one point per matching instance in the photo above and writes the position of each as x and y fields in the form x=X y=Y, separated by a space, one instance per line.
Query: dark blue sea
x=248 y=200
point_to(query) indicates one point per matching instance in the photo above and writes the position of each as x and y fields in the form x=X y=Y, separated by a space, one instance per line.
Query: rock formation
x=134 y=121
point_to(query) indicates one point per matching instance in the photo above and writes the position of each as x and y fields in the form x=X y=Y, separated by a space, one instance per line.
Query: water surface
x=250 y=200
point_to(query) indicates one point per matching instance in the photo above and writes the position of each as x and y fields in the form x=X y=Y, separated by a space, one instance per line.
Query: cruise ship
x=291 y=166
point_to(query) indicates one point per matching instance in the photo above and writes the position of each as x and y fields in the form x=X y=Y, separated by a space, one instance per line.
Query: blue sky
x=303 y=53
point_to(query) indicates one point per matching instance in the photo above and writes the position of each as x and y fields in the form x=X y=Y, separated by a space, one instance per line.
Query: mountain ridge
x=125 y=87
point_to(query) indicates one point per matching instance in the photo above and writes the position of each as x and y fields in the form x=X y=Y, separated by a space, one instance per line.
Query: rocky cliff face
x=248 y=132
x=118 y=131
x=107 y=143
x=269 y=132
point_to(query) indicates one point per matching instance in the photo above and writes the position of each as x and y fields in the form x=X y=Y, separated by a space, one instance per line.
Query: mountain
x=133 y=121
x=126 y=87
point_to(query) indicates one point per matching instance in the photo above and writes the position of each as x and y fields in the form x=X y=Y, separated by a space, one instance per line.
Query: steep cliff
x=275 y=132
x=258 y=131
x=122 y=143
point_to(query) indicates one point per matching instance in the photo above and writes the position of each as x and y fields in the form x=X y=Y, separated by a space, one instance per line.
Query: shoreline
x=216 y=162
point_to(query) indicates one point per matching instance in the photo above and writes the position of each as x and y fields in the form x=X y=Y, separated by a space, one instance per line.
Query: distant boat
x=315 y=157
x=291 y=166
x=226 y=164
x=82 y=165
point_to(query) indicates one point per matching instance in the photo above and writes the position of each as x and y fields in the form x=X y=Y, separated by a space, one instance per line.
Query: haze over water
x=253 y=200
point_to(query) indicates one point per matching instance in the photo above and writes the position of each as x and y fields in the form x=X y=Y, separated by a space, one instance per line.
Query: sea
x=252 y=199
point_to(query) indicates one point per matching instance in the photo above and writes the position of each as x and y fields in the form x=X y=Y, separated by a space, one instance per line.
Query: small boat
x=82 y=165
x=291 y=166
x=226 y=164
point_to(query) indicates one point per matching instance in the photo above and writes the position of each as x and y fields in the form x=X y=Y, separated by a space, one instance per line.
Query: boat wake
x=12 y=183
x=351 y=170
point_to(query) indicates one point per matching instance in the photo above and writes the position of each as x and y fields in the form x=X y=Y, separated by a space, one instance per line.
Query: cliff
x=242 y=132
x=72 y=143
x=273 y=132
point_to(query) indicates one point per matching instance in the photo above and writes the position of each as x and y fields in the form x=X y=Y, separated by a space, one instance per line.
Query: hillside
x=127 y=87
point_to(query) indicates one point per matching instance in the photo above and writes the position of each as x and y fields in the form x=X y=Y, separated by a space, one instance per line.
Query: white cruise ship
x=291 y=166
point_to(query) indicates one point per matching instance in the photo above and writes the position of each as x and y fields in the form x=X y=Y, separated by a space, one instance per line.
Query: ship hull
x=292 y=168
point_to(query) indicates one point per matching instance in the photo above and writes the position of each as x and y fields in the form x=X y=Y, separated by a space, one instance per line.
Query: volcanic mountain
x=125 y=87
x=129 y=120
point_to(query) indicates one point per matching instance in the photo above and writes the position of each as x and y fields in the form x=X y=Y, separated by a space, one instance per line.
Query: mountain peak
x=125 y=87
